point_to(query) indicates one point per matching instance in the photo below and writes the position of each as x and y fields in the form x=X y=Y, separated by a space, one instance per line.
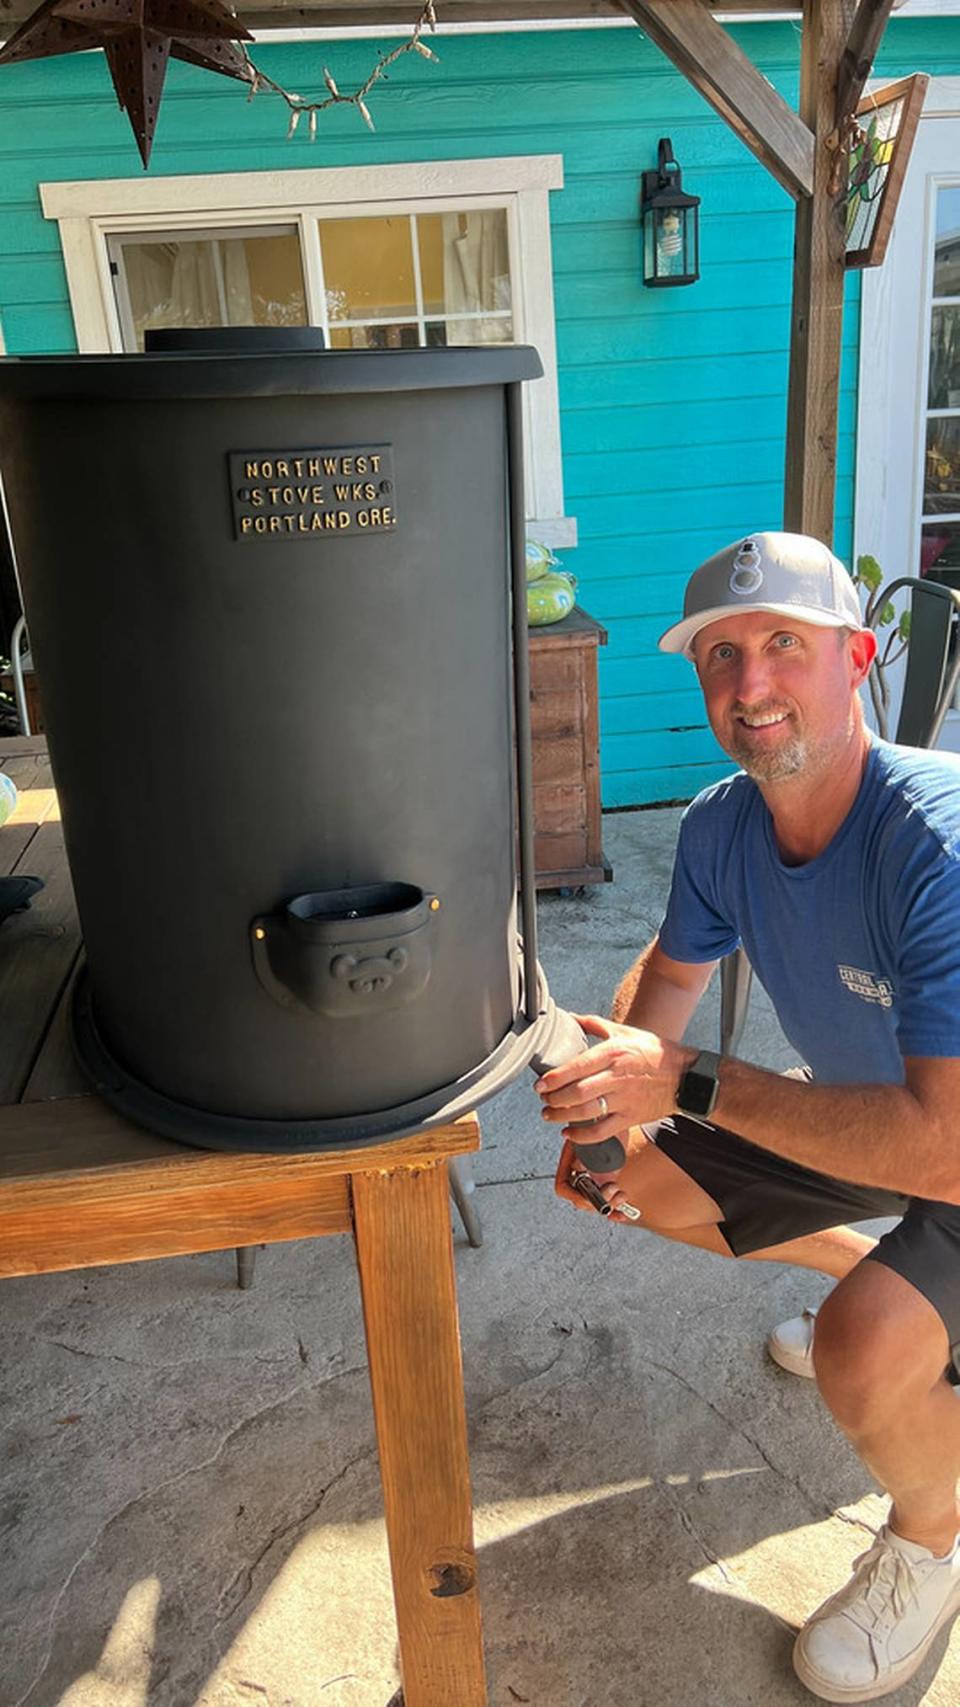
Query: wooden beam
x=856 y=60
x=818 y=276
x=348 y=14
x=719 y=69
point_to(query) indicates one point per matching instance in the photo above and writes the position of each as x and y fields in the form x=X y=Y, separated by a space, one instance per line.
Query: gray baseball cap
x=786 y=573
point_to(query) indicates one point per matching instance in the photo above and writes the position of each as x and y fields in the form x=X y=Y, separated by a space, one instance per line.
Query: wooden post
x=866 y=34
x=722 y=73
x=818 y=275
x=405 y=1257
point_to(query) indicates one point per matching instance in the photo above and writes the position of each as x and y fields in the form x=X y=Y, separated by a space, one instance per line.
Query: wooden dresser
x=566 y=752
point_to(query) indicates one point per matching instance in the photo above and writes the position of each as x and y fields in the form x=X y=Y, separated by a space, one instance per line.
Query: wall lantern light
x=671 y=224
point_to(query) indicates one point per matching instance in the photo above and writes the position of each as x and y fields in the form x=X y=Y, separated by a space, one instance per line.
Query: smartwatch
x=699 y=1085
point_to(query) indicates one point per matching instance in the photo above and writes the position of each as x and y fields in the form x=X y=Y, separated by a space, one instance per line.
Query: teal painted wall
x=673 y=403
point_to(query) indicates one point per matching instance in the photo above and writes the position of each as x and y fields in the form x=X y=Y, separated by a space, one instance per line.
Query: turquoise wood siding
x=673 y=403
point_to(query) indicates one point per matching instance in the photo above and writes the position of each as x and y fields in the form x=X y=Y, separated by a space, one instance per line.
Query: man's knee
x=851 y=1367
x=874 y=1349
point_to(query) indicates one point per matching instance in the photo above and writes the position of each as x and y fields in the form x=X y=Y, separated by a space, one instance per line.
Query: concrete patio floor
x=190 y=1506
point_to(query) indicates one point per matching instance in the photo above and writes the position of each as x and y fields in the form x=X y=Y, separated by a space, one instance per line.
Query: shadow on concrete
x=611 y=1603
x=567 y=1626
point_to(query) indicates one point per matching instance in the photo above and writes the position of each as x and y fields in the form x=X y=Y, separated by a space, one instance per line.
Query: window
x=435 y=278
x=242 y=277
x=385 y=281
x=908 y=417
x=389 y=257
x=940 y=513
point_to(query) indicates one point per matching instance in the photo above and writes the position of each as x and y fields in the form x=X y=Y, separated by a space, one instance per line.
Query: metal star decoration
x=138 y=38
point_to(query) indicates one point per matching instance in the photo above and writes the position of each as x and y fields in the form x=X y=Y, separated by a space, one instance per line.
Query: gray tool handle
x=567 y=1041
x=605 y=1157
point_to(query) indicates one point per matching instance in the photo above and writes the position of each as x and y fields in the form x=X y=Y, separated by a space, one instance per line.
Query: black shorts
x=766 y=1201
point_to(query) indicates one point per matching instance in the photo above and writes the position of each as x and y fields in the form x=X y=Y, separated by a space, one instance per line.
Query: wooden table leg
x=405 y=1256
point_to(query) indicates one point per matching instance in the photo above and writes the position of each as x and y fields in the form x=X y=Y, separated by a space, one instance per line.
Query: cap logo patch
x=747 y=574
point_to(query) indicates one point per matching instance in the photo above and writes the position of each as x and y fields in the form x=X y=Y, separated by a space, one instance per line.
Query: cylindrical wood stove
x=283 y=583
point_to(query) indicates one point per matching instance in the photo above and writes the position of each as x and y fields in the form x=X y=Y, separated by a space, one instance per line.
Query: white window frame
x=894 y=357
x=89 y=212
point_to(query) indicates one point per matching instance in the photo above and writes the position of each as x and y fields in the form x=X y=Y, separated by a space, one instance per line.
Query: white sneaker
x=871 y=1637
x=791 y=1344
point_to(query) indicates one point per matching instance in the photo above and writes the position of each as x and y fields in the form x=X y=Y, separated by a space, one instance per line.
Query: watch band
x=699 y=1084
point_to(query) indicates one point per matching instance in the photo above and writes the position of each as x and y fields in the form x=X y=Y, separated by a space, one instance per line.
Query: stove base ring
x=553 y=1037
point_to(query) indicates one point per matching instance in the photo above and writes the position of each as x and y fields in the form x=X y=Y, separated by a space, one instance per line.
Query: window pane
x=946 y=266
x=465 y=272
x=944 y=359
x=939 y=546
x=254 y=280
x=430 y=238
x=392 y=337
x=941 y=494
x=484 y=330
x=368 y=268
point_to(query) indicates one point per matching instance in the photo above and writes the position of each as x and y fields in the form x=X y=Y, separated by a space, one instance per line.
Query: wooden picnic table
x=81 y=1186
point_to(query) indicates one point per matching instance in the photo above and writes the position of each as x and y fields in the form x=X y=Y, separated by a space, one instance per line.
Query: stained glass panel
x=870 y=161
x=878 y=155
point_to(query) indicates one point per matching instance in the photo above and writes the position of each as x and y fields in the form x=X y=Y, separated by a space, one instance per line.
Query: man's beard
x=794 y=756
x=777 y=765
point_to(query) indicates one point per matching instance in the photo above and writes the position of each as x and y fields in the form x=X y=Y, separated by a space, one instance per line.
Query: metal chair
x=933 y=669
x=17 y=666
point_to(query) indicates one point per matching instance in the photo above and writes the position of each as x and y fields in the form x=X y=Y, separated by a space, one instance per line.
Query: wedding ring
x=604 y=1110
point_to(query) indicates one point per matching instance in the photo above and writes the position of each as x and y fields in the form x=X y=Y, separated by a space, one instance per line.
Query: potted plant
x=869 y=578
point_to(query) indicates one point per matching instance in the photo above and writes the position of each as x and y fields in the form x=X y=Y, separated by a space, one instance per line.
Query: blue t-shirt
x=858 y=949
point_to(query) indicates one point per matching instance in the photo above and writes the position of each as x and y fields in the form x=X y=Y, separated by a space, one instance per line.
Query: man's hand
x=628 y=1079
x=613 y=1186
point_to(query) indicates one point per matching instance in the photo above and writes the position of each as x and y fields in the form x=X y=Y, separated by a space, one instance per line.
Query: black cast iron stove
x=276 y=600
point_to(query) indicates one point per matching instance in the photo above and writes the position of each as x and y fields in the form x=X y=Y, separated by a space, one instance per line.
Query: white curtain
x=197 y=283
x=476 y=276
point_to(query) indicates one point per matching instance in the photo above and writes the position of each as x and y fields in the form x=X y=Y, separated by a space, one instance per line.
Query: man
x=835 y=859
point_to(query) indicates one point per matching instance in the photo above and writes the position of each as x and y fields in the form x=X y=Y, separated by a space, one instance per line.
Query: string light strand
x=334 y=96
